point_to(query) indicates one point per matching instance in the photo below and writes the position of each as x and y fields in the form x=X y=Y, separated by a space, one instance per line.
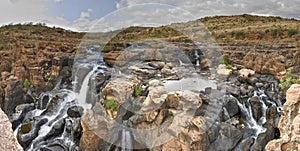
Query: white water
x=126 y=142
x=197 y=58
x=81 y=96
x=257 y=126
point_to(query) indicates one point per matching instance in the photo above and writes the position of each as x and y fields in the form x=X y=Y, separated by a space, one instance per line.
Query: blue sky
x=79 y=15
x=72 y=9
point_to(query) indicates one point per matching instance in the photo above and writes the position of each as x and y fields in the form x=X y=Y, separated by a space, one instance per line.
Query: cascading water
x=197 y=57
x=52 y=121
x=126 y=142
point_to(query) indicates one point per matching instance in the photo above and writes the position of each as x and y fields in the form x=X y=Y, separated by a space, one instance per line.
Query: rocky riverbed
x=160 y=99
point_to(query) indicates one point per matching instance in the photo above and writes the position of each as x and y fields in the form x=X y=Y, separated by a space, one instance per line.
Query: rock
x=21 y=111
x=172 y=100
x=222 y=70
x=245 y=73
x=75 y=111
x=154 y=82
x=94 y=127
x=156 y=97
x=228 y=138
x=256 y=107
x=232 y=89
x=205 y=63
x=120 y=88
x=289 y=123
x=231 y=105
x=7 y=137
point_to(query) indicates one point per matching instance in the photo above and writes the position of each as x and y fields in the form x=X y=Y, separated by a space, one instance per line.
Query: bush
x=287 y=81
x=137 y=91
x=111 y=104
x=224 y=61
x=292 y=32
x=26 y=83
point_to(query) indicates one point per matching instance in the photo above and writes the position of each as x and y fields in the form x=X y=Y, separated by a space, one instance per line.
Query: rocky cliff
x=289 y=123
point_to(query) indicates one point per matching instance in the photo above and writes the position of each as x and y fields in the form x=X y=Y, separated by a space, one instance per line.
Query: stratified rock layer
x=289 y=124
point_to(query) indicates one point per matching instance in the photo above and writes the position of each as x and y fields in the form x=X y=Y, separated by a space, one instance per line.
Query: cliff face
x=289 y=124
x=7 y=138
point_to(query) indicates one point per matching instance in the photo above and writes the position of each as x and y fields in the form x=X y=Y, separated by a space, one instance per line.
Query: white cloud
x=58 y=1
x=84 y=15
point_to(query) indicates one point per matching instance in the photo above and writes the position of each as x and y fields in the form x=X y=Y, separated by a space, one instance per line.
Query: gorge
x=156 y=94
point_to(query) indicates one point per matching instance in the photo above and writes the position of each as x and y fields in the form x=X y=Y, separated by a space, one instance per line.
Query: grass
x=292 y=32
x=111 y=104
x=26 y=83
x=137 y=91
x=287 y=81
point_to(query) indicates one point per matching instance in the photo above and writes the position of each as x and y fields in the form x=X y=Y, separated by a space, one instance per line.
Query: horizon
x=79 y=15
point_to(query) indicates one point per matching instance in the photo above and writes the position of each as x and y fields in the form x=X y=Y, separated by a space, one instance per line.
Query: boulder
x=222 y=70
x=245 y=73
x=120 y=88
x=289 y=124
x=7 y=137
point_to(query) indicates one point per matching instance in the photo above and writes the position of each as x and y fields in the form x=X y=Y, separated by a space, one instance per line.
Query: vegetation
x=287 y=81
x=26 y=83
x=292 y=32
x=111 y=104
x=137 y=91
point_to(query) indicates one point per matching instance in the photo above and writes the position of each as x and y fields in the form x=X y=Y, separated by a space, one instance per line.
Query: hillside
x=31 y=47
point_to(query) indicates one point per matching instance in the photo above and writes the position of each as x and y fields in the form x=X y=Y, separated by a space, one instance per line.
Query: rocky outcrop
x=7 y=138
x=289 y=124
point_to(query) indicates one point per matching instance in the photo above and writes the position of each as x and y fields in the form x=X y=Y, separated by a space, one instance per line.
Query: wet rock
x=231 y=105
x=228 y=138
x=256 y=107
x=245 y=144
x=263 y=139
x=75 y=111
x=7 y=138
x=19 y=115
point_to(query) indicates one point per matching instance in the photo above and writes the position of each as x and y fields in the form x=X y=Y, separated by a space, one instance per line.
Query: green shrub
x=111 y=104
x=26 y=83
x=292 y=32
x=137 y=91
x=240 y=34
x=107 y=48
x=224 y=61
x=287 y=81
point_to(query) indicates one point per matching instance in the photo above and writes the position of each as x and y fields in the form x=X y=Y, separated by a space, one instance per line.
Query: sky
x=84 y=15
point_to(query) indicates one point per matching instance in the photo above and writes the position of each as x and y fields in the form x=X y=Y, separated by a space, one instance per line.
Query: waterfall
x=126 y=142
x=81 y=96
x=197 y=58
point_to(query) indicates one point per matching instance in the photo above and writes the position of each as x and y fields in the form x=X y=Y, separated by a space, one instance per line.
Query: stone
x=289 y=123
x=94 y=127
x=120 y=88
x=205 y=63
x=173 y=100
x=154 y=82
x=7 y=137
x=222 y=70
x=231 y=105
x=228 y=138
x=75 y=111
x=245 y=73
